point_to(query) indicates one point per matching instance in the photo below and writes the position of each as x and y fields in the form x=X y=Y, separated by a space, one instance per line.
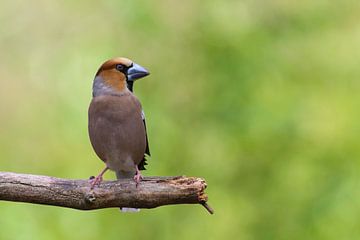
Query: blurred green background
x=261 y=98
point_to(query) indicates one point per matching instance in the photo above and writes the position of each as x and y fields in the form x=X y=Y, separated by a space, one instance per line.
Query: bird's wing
x=142 y=164
x=147 y=150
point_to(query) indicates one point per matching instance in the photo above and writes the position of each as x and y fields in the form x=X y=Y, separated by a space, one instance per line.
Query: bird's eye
x=120 y=67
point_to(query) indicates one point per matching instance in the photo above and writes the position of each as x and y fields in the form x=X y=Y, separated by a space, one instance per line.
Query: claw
x=98 y=179
x=95 y=181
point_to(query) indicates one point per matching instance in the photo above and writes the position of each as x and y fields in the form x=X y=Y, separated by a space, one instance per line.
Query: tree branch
x=151 y=192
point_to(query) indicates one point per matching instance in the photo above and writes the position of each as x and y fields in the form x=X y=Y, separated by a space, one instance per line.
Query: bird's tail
x=124 y=175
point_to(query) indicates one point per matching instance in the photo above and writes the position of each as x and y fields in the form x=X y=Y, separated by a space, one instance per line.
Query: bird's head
x=116 y=75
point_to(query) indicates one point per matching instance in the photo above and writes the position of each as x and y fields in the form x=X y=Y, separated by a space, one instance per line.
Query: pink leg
x=97 y=180
x=137 y=177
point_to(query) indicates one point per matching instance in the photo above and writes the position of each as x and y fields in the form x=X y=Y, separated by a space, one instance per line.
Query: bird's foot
x=95 y=181
x=137 y=177
x=98 y=179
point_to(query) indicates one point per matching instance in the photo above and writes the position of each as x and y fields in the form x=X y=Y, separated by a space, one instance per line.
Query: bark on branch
x=151 y=192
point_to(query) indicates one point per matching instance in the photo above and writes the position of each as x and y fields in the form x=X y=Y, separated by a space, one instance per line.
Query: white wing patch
x=142 y=114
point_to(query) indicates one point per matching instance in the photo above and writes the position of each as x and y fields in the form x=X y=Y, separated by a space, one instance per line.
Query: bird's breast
x=116 y=131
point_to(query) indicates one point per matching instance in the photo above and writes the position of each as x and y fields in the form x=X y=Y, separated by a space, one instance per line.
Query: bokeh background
x=261 y=98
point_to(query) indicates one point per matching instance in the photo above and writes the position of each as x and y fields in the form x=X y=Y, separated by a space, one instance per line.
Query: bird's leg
x=137 y=177
x=97 y=180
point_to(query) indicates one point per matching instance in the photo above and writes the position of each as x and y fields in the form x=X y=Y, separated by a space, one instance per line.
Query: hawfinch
x=116 y=120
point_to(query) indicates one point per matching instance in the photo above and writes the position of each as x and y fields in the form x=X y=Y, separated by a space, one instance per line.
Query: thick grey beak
x=136 y=72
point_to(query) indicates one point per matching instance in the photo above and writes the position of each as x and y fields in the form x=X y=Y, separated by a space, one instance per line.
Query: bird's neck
x=101 y=88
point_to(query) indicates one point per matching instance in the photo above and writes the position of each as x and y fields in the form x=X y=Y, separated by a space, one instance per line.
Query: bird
x=116 y=120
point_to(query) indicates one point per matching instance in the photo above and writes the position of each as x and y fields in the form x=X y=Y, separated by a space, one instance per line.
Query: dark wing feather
x=147 y=150
x=143 y=162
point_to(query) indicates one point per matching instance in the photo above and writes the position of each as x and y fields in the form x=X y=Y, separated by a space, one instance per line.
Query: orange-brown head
x=115 y=74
